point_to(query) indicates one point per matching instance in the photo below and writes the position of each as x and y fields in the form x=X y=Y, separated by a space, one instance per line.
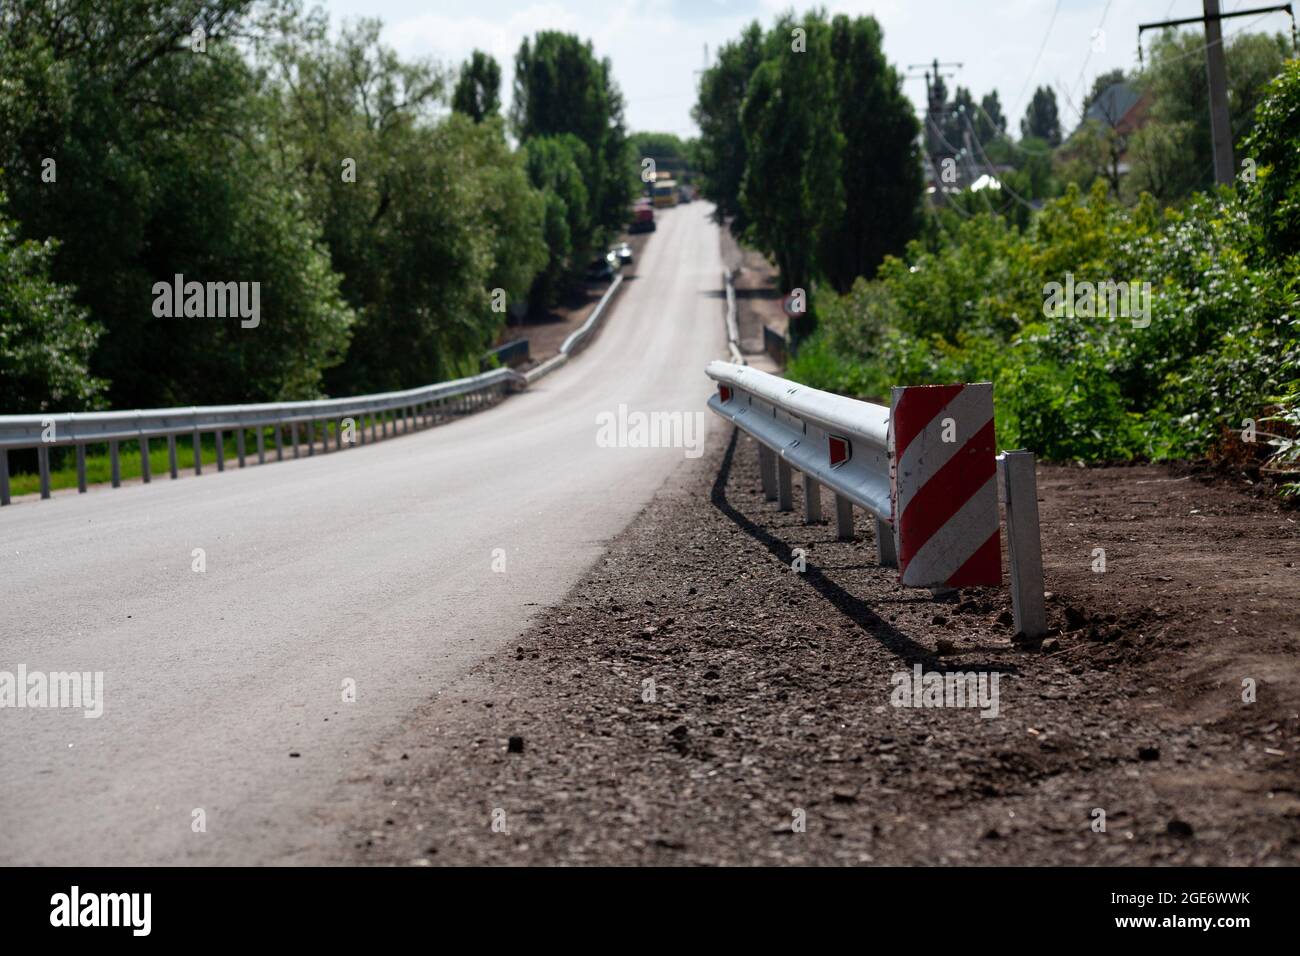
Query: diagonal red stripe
x=946 y=491
x=983 y=568
x=916 y=409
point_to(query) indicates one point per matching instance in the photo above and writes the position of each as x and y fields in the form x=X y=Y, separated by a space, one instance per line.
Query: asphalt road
x=373 y=566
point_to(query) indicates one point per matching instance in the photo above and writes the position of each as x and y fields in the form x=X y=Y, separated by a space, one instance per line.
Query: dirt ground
x=547 y=333
x=771 y=696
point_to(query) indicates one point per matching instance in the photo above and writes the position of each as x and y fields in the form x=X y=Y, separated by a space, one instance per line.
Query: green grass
x=63 y=458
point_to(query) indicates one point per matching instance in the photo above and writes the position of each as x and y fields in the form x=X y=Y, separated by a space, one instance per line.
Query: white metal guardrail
x=733 y=325
x=578 y=338
x=925 y=467
x=389 y=412
x=403 y=411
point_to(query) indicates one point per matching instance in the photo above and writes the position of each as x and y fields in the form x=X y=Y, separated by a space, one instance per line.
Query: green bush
x=1222 y=321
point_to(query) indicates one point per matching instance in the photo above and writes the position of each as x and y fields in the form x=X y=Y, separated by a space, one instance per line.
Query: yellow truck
x=665 y=192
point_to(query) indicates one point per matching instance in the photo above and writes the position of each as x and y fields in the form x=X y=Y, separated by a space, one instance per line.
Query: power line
x=1041 y=47
x=992 y=170
x=1079 y=82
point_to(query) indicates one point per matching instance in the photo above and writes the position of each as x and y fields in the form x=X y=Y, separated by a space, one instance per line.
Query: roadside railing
x=733 y=324
x=509 y=355
x=925 y=467
x=776 y=346
x=382 y=414
x=578 y=338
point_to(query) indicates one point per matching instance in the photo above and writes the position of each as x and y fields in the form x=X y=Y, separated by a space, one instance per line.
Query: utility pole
x=1217 y=71
x=934 y=99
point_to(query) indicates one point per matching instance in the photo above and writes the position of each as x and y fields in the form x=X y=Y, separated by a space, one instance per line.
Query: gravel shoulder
x=695 y=697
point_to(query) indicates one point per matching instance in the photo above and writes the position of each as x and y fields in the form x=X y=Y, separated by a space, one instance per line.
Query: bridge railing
x=382 y=414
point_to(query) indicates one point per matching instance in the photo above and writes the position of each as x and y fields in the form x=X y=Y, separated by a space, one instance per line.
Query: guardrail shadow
x=852 y=607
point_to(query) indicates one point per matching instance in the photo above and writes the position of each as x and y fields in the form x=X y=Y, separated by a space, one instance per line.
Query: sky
x=657 y=46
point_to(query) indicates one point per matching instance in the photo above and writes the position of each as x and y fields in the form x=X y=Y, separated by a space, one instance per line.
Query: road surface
x=373 y=566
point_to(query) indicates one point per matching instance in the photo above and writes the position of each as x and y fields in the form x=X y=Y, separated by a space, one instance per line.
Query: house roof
x=1113 y=104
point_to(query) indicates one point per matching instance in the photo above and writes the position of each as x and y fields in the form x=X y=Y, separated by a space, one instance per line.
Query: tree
x=793 y=191
x=45 y=338
x=1173 y=152
x=478 y=89
x=990 y=124
x=555 y=165
x=722 y=151
x=151 y=122
x=561 y=87
x=1274 y=145
x=424 y=215
x=671 y=154
x=880 y=168
x=1041 y=118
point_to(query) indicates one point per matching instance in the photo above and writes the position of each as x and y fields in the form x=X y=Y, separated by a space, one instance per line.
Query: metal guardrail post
x=843 y=518
x=784 y=486
x=392 y=413
x=886 y=552
x=4 y=476
x=767 y=471
x=43 y=462
x=812 y=501
x=1024 y=546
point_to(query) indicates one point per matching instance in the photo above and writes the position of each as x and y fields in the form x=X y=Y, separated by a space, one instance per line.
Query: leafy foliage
x=228 y=141
x=807 y=145
x=1042 y=120
x=1099 y=387
x=478 y=89
x=45 y=338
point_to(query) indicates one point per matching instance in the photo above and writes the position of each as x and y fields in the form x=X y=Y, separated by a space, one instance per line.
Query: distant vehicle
x=600 y=270
x=624 y=253
x=615 y=262
x=686 y=194
x=665 y=193
x=643 y=217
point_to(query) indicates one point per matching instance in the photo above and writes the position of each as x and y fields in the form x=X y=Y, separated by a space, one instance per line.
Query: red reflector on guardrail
x=840 y=450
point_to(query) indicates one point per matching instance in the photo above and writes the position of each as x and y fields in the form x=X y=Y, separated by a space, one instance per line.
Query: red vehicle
x=643 y=217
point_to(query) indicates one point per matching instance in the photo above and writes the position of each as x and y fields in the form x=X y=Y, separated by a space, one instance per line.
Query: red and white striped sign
x=943 y=472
